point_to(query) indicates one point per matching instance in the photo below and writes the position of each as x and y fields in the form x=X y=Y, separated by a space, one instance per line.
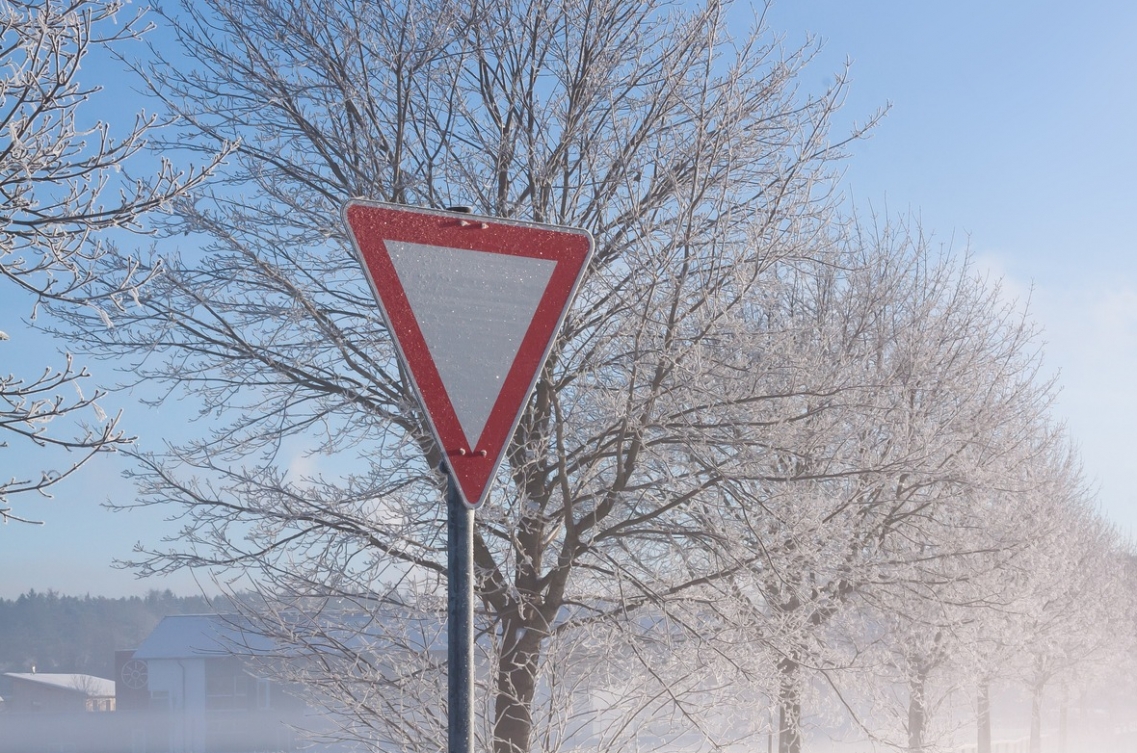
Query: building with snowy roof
x=201 y=675
x=58 y=692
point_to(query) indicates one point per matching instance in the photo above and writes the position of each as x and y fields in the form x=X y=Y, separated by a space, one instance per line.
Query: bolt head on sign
x=474 y=305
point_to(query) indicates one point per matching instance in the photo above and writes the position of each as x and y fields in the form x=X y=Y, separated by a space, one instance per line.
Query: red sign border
x=370 y=223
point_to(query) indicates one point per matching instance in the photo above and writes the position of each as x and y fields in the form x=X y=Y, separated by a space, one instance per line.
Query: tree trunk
x=1036 y=719
x=984 y=709
x=516 y=686
x=1063 y=721
x=789 y=707
x=917 y=712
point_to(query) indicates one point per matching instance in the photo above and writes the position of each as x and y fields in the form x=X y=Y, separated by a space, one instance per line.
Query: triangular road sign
x=474 y=305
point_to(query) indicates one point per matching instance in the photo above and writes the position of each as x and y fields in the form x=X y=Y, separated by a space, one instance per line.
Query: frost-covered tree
x=1074 y=614
x=913 y=391
x=759 y=429
x=953 y=633
x=61 y=183
x=685 y=149
x=1021 y=515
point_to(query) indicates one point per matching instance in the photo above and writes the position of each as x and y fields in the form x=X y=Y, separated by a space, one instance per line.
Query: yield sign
x=474 y=305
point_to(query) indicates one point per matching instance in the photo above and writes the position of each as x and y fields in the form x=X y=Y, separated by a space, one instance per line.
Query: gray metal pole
x=460 y=619
x=460 y=611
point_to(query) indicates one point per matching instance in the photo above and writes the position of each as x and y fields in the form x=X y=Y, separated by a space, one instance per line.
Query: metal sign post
x=460 y=618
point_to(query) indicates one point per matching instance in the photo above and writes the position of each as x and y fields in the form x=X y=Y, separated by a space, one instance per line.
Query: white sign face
x=473 y=308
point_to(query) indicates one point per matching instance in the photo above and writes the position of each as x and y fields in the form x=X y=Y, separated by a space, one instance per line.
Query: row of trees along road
x=781 y=460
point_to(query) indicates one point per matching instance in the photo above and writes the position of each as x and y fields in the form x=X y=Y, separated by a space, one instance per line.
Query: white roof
x=189 y=636
x=89 y=685
x=202 y=636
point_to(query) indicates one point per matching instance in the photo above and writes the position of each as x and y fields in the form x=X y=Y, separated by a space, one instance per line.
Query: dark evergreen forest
x=57 y=633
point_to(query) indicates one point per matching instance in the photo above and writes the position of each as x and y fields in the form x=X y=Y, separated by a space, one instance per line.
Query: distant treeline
x=57 y=633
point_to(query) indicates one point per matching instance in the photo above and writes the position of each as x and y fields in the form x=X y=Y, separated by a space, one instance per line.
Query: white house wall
x=183 y=683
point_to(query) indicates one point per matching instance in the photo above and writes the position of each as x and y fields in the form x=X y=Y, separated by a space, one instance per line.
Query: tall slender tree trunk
x=789 y=707
x=917 y=712
x=1063 y=728
x=1064 y=719
x=1036 y=719
x=983 y=704
x=1085 y=729
x=516 y=686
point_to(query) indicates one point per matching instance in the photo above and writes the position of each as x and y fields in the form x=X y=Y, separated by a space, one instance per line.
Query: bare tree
x=1074 y=613
x=942 y=632
x=690 y=156
x=61 y=182
x=912 y=391
x=745 y=431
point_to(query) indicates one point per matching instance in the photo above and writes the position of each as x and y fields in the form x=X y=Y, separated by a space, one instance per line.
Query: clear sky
x=1012 y=132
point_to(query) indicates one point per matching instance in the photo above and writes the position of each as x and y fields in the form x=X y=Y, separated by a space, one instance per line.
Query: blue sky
x=1012 y=132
